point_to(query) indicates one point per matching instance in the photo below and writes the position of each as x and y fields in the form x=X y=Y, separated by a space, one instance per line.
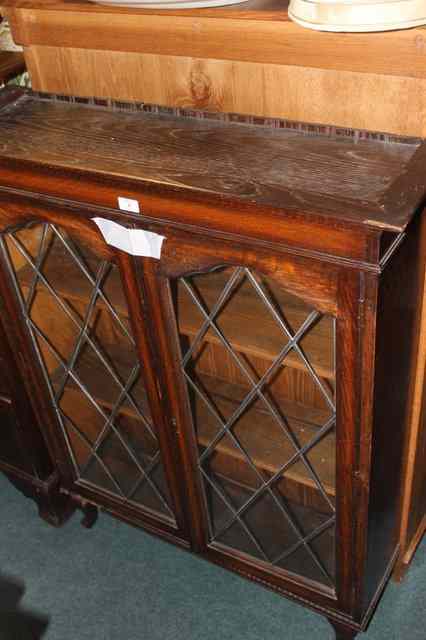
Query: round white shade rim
x=169 y=4
x=358 y=16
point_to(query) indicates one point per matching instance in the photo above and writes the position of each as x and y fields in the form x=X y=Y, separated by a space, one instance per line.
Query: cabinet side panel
x=414 y=491
x=417 y=506
x=396 y=338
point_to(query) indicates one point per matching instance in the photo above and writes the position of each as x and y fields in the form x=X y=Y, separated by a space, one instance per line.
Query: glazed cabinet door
x=85 y=333
x=261 y=412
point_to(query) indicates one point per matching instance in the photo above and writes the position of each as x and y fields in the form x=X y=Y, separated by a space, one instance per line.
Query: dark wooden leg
x=53 y=507
x=406 y=556
x=399 y=571
x=90 y=515
x=342 y=631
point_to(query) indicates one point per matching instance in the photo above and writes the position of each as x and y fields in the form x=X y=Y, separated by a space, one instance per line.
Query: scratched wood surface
x=345 y=178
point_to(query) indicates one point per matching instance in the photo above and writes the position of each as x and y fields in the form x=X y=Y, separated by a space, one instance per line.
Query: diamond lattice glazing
x=266 y=455
x=74 y=307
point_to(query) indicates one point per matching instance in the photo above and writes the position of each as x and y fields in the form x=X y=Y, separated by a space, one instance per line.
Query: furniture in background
x=248 y=59
x=12 y=64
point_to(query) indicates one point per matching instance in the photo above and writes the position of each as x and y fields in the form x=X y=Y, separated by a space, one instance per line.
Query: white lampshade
x=358 y=15
x=168 y=4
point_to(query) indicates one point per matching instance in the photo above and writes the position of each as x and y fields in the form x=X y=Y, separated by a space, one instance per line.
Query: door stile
x=349 y=371
x=159 y=298
x=136 y=292
x=367 y=347
x=31 y=443
x=25 y=354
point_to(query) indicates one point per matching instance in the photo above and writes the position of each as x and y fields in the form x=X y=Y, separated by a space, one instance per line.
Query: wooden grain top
x=256 y=31
x=337 y=177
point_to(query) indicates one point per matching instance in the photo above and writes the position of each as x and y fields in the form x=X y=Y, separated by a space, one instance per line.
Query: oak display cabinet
x=246 y=395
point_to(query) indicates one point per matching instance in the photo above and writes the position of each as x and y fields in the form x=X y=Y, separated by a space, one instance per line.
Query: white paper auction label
x=127 y=204
x=137 y=242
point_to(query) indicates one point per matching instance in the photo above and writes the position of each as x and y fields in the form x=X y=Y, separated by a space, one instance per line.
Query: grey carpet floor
x=117 y=582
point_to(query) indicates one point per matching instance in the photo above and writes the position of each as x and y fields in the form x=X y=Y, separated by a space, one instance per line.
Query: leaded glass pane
x=75 y=310
x=259 y=363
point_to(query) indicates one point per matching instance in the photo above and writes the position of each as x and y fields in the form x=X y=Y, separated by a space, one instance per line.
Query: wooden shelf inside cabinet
x=297 y=485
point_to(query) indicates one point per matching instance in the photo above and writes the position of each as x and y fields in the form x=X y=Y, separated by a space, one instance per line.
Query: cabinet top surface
x=340 y=176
